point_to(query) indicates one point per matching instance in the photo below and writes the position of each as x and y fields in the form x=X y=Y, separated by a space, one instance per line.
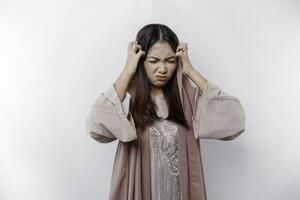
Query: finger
x=137 y=47
x=178 y=47
x=183 y=45
x=131 y=43
x=180 y=50
x=141 y=53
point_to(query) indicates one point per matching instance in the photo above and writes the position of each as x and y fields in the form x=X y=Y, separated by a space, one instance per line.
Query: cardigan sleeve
x=109 y=119
x=217 y=114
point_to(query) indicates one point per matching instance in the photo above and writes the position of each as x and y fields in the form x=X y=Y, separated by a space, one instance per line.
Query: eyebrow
x=158 y=58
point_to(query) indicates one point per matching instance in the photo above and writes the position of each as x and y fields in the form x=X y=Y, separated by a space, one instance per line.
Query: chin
x=157 y=83
x=160 y=84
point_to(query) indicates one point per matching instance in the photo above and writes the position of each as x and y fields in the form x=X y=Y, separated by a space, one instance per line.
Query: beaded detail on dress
x=165 y=141
x=164 y=156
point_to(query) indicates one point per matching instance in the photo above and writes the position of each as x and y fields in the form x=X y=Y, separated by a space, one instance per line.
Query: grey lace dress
x=164 y=155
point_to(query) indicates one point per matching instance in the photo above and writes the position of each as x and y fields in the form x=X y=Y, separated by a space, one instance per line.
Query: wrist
x=127 y=72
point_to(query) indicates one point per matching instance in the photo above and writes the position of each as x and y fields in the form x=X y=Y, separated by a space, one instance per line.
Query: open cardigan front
x=213 y=114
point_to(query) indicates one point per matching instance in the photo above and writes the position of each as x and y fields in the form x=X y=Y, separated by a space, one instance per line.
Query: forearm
x=122 y=82
x=197 y=78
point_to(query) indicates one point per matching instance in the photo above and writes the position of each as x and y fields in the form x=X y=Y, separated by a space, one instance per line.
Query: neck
x=157 y=92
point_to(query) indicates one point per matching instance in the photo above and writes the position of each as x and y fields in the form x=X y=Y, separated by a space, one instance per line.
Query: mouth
x=162 y=78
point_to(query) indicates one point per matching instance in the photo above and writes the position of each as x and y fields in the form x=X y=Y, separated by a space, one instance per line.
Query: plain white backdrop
x=57 y=56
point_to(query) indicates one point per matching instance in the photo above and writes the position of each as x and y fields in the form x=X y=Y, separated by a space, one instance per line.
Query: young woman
x=159 y=117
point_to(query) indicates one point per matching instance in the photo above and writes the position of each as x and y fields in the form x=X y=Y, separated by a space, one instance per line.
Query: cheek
x=149 y=69
x=172 y=68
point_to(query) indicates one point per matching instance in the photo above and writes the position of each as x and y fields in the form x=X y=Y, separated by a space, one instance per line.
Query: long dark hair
x=142 y=107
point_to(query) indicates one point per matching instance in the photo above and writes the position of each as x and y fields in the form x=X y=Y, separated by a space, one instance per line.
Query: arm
x=121 y=84
x=109 y=118
x=216 y=114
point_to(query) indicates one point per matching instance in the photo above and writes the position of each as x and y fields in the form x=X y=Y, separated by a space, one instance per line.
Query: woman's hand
x=188 y=69
x=181 y=51
x=134 y=52
x=133 y=55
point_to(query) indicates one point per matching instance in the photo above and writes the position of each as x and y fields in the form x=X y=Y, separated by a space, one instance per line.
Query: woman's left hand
x=181 y=51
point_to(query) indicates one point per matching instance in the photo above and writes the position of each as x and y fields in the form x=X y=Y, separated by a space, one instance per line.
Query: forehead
x=161 y=50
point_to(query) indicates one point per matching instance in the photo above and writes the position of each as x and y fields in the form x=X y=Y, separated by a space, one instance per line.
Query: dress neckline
x=159 y=97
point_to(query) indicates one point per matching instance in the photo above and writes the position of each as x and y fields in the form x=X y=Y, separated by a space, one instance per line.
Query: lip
x=161 y=77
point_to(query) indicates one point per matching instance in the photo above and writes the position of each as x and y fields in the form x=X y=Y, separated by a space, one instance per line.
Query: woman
x=159 y=117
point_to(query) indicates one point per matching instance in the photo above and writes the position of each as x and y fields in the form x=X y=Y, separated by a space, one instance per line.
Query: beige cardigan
x=213 y=114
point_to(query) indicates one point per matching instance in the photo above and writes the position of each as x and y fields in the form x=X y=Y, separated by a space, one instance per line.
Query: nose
x=162 y=68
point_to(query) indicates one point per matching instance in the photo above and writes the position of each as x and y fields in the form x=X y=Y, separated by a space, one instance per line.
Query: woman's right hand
x=134 y=52
x=133 y=55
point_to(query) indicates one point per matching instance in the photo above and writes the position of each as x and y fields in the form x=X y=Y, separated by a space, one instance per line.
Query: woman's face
x=160 y=64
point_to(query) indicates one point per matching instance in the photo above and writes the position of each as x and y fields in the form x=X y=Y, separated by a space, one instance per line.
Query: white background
x=57 y=56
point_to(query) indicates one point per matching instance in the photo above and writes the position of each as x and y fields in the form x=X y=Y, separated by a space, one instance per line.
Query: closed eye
x=156 y=61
